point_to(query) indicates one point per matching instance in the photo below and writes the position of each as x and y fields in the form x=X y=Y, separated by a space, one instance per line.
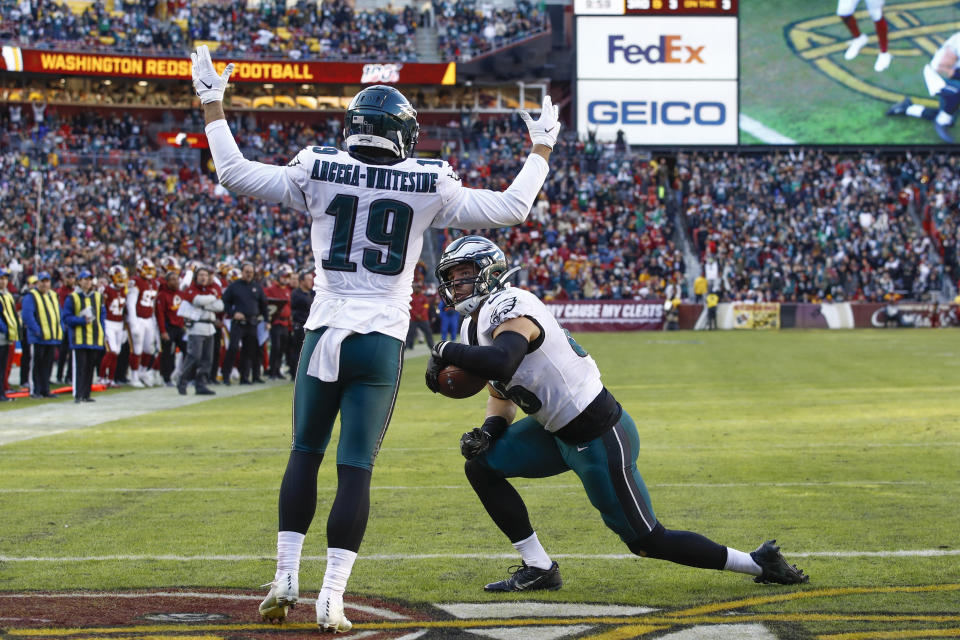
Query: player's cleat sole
x=943 y=133
x=284 y=594
x=527 y=578
x=900 y=109
x=883 y=61
x=853 y=49
x=330 y=616
x=776 y=569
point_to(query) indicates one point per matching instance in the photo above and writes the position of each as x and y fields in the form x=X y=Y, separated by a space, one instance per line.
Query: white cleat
x=854 y=47
x=284 y=594
x=884 y=58
x=135 y=380
x=330 y=617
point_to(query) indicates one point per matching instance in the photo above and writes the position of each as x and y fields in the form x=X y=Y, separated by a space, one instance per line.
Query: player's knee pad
x=650 y=545
x=478 y=472
x=875 y=9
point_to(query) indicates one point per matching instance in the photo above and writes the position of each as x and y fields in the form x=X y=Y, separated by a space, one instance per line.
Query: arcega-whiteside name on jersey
x=373 y=238
x=555 y=382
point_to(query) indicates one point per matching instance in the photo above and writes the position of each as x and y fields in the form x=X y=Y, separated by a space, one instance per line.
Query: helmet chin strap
x=472 y=303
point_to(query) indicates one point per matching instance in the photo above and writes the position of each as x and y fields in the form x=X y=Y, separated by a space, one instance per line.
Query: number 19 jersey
x=368 y=223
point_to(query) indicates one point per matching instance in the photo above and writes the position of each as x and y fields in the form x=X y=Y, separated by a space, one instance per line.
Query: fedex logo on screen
x=667 y=50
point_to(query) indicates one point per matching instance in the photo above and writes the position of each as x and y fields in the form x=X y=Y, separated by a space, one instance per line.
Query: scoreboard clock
x=656 y=7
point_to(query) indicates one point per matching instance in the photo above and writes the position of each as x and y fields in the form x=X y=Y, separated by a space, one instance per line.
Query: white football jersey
x=556 y=381
x=953 y=46
x=368 y=221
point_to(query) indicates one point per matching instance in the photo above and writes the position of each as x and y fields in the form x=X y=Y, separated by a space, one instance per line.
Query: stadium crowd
x=801 y=226
x=307 y=30
x=810 y=225
x=465 y=31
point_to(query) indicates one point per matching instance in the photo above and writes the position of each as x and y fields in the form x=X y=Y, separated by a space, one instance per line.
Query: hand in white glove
x=544 y=130
x=208 y=85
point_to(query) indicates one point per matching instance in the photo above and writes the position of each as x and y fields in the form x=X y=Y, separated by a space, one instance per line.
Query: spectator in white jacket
x=201 y=302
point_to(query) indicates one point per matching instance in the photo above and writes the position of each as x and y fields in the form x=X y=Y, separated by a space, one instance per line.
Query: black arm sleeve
x=499 y=361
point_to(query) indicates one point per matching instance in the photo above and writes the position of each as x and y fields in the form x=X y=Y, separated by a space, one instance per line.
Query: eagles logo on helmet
x=380 y=126
x=491 y=264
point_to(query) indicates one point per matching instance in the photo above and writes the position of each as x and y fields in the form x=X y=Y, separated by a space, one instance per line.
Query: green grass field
x=794 y=79
x=845 y=441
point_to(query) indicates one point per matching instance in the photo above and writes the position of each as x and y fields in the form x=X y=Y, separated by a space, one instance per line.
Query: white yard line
x=761 y=131
x=386 y=448
x=526 y=487
x=898 y=553
x=53 y=417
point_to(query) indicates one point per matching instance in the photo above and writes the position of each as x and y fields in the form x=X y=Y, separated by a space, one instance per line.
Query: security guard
x=83 y=316
x=41 y=317
x=9 y=333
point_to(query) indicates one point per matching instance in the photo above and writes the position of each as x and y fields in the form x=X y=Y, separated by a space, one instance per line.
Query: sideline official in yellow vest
x=83 y=315
x=41 y=317
x=9 y=333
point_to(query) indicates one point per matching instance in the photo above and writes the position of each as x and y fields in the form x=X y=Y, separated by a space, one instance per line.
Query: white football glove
x=208 y=85
x=545 y=129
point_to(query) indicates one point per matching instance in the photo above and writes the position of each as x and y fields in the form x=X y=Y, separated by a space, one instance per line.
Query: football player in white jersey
x=369 y=205
x=573 y=423
x=942 y=77
x=846 y=9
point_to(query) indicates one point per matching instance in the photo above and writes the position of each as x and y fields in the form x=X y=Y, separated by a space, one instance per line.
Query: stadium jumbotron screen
x=769 y=72
x=872 y=72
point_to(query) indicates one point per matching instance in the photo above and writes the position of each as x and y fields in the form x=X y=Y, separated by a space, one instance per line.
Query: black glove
x=475 y=442
x=437 y=350
x=434 y=366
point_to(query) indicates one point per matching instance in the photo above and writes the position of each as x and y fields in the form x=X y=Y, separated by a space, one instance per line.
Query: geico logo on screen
x=668 y=50
x=672 y=112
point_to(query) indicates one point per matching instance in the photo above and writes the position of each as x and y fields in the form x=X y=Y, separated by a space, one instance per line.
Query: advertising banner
x=278 y=71
x=608 y=315
x=657 y=48
x=905 y=314
x=663 y=113
x=755 y=315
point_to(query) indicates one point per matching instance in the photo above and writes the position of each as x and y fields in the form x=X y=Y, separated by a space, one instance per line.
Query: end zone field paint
x=232 y=615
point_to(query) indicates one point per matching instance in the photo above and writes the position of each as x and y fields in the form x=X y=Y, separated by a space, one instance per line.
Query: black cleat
x=525 y=578
x=943 y=133
x=776 y=570
x=900 y=109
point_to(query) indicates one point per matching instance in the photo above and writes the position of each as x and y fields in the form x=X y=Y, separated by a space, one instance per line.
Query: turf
x=843 y=441
x=796 y=98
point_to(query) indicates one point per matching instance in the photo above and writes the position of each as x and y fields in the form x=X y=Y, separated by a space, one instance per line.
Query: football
x=459 y=383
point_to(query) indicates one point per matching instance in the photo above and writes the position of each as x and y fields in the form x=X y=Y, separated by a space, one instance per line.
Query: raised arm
x=472 y=208
x=246 y=177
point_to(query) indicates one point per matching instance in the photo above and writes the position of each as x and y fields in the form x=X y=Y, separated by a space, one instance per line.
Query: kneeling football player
x=573 y=423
